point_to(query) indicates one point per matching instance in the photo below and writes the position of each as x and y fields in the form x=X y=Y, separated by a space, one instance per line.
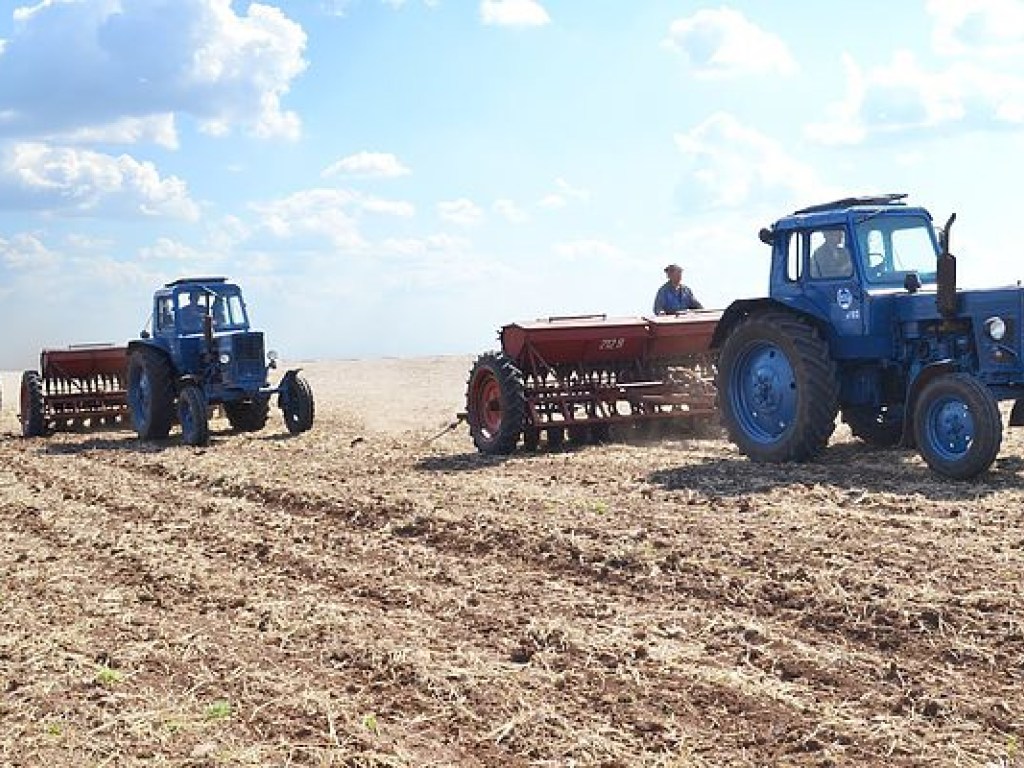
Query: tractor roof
x=892 y=198
x=191 y=280
x=844 y=211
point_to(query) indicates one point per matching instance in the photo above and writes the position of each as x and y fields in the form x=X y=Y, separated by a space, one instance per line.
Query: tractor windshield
x=225 y=307
x=893 y=247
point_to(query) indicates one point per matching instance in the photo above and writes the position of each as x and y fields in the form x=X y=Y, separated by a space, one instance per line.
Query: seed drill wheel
x=150 y=393
x=298 y=405
x=495 y=403
x=195 y=425
x=33 y=414
x=778 y=389
x=957 y=426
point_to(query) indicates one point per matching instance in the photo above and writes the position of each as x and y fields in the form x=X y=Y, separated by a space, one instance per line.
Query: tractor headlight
x=995 y=327
x=272 y=355
x=225 y=358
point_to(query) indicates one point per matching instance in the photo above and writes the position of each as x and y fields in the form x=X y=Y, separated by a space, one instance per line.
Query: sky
x=403 y=177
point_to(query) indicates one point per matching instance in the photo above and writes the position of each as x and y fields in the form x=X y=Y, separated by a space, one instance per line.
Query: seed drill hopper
x=83 y=385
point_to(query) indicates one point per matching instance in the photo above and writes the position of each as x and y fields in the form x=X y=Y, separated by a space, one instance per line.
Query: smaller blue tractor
x=864 y=319
x=202 y=353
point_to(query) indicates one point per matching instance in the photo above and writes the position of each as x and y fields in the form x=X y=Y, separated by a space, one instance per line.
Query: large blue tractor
x=864 y=318
x=201 y=353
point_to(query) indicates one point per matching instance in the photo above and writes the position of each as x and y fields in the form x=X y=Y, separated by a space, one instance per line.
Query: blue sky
x=389 y=177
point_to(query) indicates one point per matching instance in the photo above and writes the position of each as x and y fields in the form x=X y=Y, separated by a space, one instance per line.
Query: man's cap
x=672 y=267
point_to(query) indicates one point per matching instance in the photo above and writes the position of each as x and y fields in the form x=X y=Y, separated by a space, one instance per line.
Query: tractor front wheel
x=297 y=404
x=957 y=426
x=778 y=389
x=33 y=413
x=495 y=403
x=150 y=393
x=195 y=426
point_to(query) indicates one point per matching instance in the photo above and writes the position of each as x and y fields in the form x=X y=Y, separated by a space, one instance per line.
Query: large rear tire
x=957 y=426
x=881 y=427
x=298 y=406
x=778 y=389
x=247 y=415
x=192 y=415
x=150 y=393
x=495 y=403
x=33 y=409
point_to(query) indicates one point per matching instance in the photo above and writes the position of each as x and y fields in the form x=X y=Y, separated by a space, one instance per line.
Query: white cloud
x=513 y=13
x=588 y=250
x=463 y=212
x=439 y=244
x=723 y=42
x=166 y=249
x=901 y=97
x=26 y=252
x=509 y=211
x=389 y=207
x=563 y=194
x=316 y=214
x=367 y=165
x=731 y=164
x=81 y=182
x=155 y=129
x=311 y=216
x=108 y=63
x=987 y=28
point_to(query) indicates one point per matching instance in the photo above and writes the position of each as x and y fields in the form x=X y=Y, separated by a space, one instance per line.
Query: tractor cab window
x=229 y=312
x=894 y=247
x=192 y=307
x=165 y=314
x=830 y=258
x=795 y=257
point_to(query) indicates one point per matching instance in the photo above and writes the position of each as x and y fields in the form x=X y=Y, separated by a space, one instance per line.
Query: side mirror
x=766 y=236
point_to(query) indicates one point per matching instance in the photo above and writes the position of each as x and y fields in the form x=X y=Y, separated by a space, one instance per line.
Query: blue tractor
x=201 y=353
x=864 y=319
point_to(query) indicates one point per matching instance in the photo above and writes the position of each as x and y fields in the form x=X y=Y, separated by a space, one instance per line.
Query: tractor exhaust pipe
x=945 y=276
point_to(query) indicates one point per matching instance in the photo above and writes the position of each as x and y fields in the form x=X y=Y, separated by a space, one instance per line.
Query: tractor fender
x=923 y=379
x=141 y=344
x=285 y=385
x=739 y=310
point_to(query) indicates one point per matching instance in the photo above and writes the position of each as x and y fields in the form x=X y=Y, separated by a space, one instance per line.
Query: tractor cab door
x=830 y=282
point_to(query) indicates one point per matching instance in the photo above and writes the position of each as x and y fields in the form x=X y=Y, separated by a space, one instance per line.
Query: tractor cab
x=841 y=262
x=179 y=308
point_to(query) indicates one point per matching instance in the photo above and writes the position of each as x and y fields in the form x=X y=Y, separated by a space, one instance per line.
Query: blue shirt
x=672 y=299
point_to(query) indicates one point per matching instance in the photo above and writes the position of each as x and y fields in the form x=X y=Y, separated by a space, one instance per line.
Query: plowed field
x=357 y=596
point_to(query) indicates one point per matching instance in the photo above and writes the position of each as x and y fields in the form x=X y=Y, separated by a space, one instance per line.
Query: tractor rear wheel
x=298 y=406
x=881 y=427
x=247 y=415
x=195 y=425
x=495 y=403
x=150 y=393
x=957 y=426
x=778 y=389
x=33 y=412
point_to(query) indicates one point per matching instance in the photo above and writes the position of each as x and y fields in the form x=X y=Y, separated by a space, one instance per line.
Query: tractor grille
x=248 y=347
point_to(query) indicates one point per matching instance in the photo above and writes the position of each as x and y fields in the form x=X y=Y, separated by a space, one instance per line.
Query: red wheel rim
x=487 y=402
